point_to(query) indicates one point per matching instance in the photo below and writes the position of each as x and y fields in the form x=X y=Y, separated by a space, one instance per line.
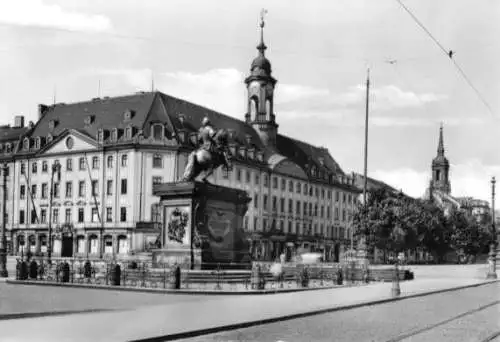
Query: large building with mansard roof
x=113 y=150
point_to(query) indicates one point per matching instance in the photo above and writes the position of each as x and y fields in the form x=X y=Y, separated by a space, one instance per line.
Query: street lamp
x=3 y=250
x=492 y=274
x=56 y=169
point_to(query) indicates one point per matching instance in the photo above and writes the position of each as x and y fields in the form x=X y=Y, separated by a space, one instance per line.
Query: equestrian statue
x=212 y=153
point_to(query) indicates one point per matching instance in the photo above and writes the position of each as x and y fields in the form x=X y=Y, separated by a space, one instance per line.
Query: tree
x=469 y=236
x=389 y=220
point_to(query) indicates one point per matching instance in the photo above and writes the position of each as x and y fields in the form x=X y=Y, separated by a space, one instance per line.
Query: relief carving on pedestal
x=177 y=226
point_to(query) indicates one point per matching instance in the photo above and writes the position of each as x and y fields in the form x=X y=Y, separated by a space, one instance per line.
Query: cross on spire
x=262 y=47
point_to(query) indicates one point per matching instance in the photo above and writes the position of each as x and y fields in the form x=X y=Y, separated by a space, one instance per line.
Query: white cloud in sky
x=39 y=13
x=223 y=90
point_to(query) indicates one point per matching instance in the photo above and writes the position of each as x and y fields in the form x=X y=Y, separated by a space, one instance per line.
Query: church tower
x=440 y=168
x=260 y=89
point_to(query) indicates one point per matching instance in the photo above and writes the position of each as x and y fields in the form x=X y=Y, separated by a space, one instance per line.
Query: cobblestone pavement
x=466 y=315
x=30 y=299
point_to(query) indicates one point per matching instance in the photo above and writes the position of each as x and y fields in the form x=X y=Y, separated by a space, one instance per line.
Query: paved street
x=467 y=315
x=31 y=299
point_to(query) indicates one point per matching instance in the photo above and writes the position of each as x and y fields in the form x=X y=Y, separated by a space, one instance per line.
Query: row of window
x=82 y=187
x=307 y=229
x=68 y=215
x=308 y=208
x=297 y=187
x=82 y=164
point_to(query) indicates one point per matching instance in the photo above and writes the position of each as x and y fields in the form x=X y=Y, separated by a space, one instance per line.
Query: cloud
x=469 y=179
x=38 y=13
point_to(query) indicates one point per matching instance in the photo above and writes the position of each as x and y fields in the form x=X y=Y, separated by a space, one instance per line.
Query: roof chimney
x=19 y=121
x=41 y=110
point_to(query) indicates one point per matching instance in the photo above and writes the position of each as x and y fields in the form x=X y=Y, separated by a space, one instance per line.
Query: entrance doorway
x=67 y=246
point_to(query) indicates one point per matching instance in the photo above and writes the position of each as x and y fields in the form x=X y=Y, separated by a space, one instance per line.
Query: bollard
x=115 y=275
x=339 y=277
x=178 y=277
x=395 y=290
x=33 y=271
x=65 y=273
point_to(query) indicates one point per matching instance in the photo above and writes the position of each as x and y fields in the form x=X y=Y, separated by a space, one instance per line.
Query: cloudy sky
x=320 y=50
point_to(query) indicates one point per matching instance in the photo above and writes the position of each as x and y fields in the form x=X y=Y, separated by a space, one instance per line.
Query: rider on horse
x=211 y=154
x=206 y=135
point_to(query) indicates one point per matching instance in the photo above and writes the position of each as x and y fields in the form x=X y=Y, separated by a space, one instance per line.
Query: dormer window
x=157 y=131
x=89 y=120
x=128 y=115
x=251 y=153
x=38 y=143
x=128 y=132
x=248 y=139
x=53 y=124
x=50 y=138
x=182 y=118
x=260 y=156
x=100 y=135
x=231 y=133
x=8 y=147
x=182 y=136
x=243 y=151
x=114 y=134
x=193 y=137
x=26 y=144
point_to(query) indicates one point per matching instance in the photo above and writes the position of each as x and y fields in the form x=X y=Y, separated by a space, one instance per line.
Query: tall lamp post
x=492 y=274
x=56 y=168
x=3 y=250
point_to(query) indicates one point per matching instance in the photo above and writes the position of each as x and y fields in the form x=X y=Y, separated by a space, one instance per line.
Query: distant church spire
x=441 y=144
x=441 y=167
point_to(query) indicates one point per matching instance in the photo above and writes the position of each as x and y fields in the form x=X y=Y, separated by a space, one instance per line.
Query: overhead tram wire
x=448 y=54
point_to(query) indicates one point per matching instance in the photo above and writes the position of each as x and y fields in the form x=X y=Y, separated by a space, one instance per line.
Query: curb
x=200 y=332
x=169 y=291
x=5 y=317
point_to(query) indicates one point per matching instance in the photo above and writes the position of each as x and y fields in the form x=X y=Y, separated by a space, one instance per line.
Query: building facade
x=85 y=172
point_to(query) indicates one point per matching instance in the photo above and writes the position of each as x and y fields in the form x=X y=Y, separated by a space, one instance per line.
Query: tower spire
x=262 y=47
x=441 y=144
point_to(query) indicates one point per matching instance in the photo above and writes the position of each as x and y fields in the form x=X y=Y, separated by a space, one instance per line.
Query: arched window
x=268 y=109
x=254 y=104
x=157 y=161
x=93 y=244
x=80 y=244
x=124 y=160
x=122 y=244
x=108 y=244
x=109 y=162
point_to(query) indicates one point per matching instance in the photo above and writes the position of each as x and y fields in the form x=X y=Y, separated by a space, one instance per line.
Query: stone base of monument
x=205 y=217
x=177 y=255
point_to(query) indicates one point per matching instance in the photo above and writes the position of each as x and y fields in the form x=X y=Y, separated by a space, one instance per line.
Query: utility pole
x=492 y=274
x=3 y=250
x=56 y=167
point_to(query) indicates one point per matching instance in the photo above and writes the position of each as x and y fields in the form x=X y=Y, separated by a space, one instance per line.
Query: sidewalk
x=184 y=319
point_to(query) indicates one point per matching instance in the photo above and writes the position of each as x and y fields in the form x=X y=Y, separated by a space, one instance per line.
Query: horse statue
x=206 y=160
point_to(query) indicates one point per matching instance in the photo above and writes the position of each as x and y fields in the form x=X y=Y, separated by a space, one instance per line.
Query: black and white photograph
x=249 y=171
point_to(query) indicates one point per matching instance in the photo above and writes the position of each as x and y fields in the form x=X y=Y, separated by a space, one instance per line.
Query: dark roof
x=372 y=183
x=178 y=115
x=9 y=134
x=106 y=113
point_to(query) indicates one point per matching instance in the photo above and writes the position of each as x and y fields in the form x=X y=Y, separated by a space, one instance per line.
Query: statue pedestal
x=177 y=254
x=202 y=225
